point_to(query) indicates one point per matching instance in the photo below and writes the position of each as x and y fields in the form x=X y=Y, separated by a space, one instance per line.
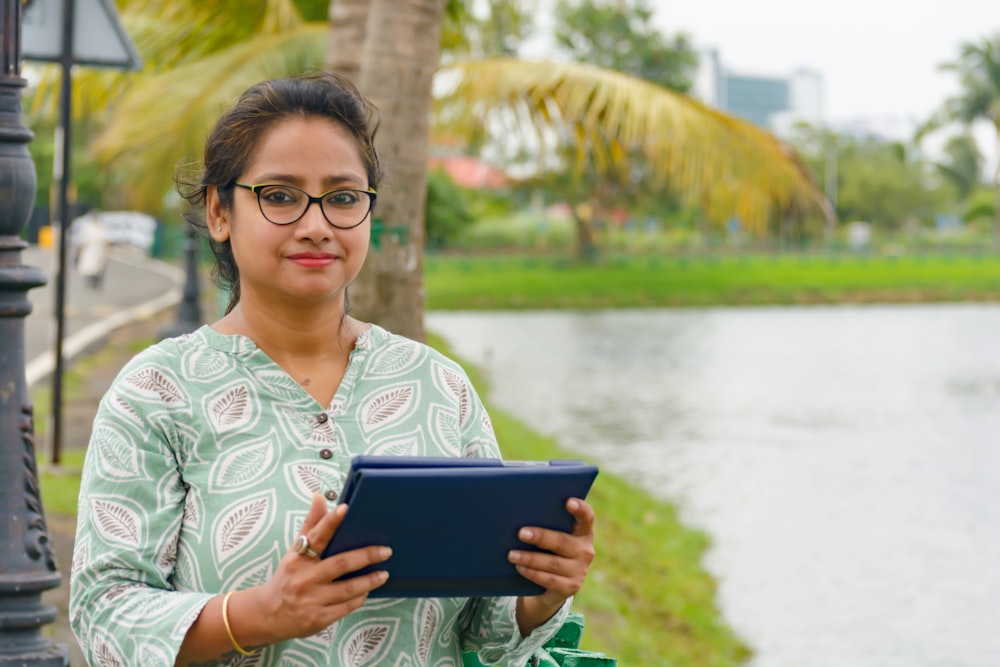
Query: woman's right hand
x=303 y=597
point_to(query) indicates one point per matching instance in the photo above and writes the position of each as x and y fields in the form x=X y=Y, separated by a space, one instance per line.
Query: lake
x=844 y=460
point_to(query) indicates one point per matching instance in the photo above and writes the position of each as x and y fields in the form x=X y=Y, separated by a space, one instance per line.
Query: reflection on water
x=845 y=460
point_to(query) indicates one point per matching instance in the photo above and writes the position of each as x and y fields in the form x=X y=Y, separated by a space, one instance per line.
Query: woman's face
x=308 y=261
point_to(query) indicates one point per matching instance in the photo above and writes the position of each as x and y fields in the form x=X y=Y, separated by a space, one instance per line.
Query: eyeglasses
x=285 y=204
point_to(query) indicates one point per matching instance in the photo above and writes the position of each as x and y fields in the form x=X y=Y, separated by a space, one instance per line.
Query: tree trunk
x=348 y=20
x=399 y=59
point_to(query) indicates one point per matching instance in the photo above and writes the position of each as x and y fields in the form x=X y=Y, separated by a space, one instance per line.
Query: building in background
x=776 y=103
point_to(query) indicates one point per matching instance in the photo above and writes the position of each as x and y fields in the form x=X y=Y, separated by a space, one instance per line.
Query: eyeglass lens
x=284 y=204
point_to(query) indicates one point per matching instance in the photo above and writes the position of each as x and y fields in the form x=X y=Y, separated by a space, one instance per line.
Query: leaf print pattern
x=306 y=479
x=444 y=430
x=228 y=467
x=106 y=653
x=192 y=510
x=230 y=410
x=282 y=384
x=116 y=522
x=80 y=552
x=456 y=385
x=153 y=655
x=389 y=406
x=395 y=359
x=118 y=456
x=427 y=620
x=153 y=382
x=365 y=644
x=409 y=445
x=256 y=572
x=117 y=403
x=241 y=525
x=205 y=365
x=243 y=464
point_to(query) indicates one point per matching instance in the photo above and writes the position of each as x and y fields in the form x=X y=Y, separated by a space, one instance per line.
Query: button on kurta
x=321 y=418
x=330 y=494
x=326 y=454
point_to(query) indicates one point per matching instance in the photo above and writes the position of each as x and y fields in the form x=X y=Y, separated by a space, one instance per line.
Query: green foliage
x=982 y=205
x=498 y=30
x=877 y=181
x=963 y=164
x=621 y=36
x=978 y=70
x=88 y=180
x=446 y=213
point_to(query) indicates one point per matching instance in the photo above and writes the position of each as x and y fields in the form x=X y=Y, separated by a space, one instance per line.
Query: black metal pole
x=65 y=125
x=189 y=310
x=27 y=564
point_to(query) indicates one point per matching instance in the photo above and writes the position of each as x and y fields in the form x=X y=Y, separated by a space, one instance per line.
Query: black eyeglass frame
x=256 y=189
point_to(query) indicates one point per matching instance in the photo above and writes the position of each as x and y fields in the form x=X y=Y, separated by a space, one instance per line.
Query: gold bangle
x=229 y=630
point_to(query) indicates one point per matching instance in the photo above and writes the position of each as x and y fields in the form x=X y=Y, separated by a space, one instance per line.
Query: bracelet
x=229 y=630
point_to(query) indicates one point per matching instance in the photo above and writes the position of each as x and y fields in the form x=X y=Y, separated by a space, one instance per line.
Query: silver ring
x=301 y=547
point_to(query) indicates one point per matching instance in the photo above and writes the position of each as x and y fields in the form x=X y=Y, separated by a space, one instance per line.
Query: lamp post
x=188 y=312
x=27 y=564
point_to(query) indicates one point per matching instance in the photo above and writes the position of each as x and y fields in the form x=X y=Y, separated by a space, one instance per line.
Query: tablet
x=451 y=521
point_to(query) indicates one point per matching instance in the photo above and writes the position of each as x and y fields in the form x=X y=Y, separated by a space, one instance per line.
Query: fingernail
x=525 y=534
x=514 y=556
x=384 y=552
x=340 y=509
x=574 y=504
x=383 y=575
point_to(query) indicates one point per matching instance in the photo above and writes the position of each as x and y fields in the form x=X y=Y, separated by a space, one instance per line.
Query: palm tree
x=159 y=118
x=978 y=69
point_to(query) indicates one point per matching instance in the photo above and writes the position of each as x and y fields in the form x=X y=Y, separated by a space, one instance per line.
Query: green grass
x=525 y=282
x=648 y=600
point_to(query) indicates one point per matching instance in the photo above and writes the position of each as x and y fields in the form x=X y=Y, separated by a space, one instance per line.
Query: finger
x=360 y=586
x=317 y=509
x=583 y=515
x=346 y=562
x=545 y=562
x=327 y=526
x=558 y=542
x=552 y=583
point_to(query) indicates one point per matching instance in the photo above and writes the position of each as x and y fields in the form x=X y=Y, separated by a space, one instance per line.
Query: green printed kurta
x=202 y=462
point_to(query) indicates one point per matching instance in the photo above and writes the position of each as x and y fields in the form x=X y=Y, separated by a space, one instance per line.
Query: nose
x=313 y=225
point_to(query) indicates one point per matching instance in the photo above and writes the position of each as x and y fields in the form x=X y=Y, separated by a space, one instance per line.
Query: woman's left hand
x=562 y=572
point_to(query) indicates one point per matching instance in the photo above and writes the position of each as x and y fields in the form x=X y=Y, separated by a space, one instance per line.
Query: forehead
x=298 y=144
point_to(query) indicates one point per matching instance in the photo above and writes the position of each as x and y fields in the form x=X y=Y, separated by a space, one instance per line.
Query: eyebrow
x=295 y=180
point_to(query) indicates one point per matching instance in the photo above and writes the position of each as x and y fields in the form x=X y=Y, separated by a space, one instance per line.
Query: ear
x=216 y=215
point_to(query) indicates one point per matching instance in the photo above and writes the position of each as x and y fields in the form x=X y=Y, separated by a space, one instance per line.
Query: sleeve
x=488 y=626
x=124 y=607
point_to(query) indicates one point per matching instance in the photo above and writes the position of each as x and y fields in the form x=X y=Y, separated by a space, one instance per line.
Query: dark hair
x=233 y=141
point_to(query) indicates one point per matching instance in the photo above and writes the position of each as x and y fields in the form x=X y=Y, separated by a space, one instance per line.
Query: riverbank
x=519 y=282
x=648 y=602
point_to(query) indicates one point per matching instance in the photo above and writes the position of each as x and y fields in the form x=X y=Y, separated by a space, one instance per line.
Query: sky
x=879 y=59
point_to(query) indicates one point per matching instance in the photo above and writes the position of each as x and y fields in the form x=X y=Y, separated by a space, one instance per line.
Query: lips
x=313 y=259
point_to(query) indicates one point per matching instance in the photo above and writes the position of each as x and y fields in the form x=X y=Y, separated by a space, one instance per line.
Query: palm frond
x=163 y=121
x=727 y=164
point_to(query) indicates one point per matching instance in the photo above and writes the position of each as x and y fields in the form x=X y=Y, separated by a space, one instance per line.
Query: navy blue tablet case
x=451 y=521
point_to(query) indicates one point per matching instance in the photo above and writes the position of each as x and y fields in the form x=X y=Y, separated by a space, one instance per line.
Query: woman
x=213 y=452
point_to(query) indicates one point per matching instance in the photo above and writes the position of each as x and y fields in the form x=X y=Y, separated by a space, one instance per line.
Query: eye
x=279 y=195
x=342 y=198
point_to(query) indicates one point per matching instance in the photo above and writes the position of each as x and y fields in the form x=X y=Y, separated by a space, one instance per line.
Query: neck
x=292 y=333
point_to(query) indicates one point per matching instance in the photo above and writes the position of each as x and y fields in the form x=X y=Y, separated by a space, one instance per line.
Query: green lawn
x=525 y=282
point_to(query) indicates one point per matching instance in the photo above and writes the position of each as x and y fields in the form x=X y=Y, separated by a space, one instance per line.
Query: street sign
x=99 y=39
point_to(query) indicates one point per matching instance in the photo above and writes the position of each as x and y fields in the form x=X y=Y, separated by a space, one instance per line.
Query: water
x=844 y=460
